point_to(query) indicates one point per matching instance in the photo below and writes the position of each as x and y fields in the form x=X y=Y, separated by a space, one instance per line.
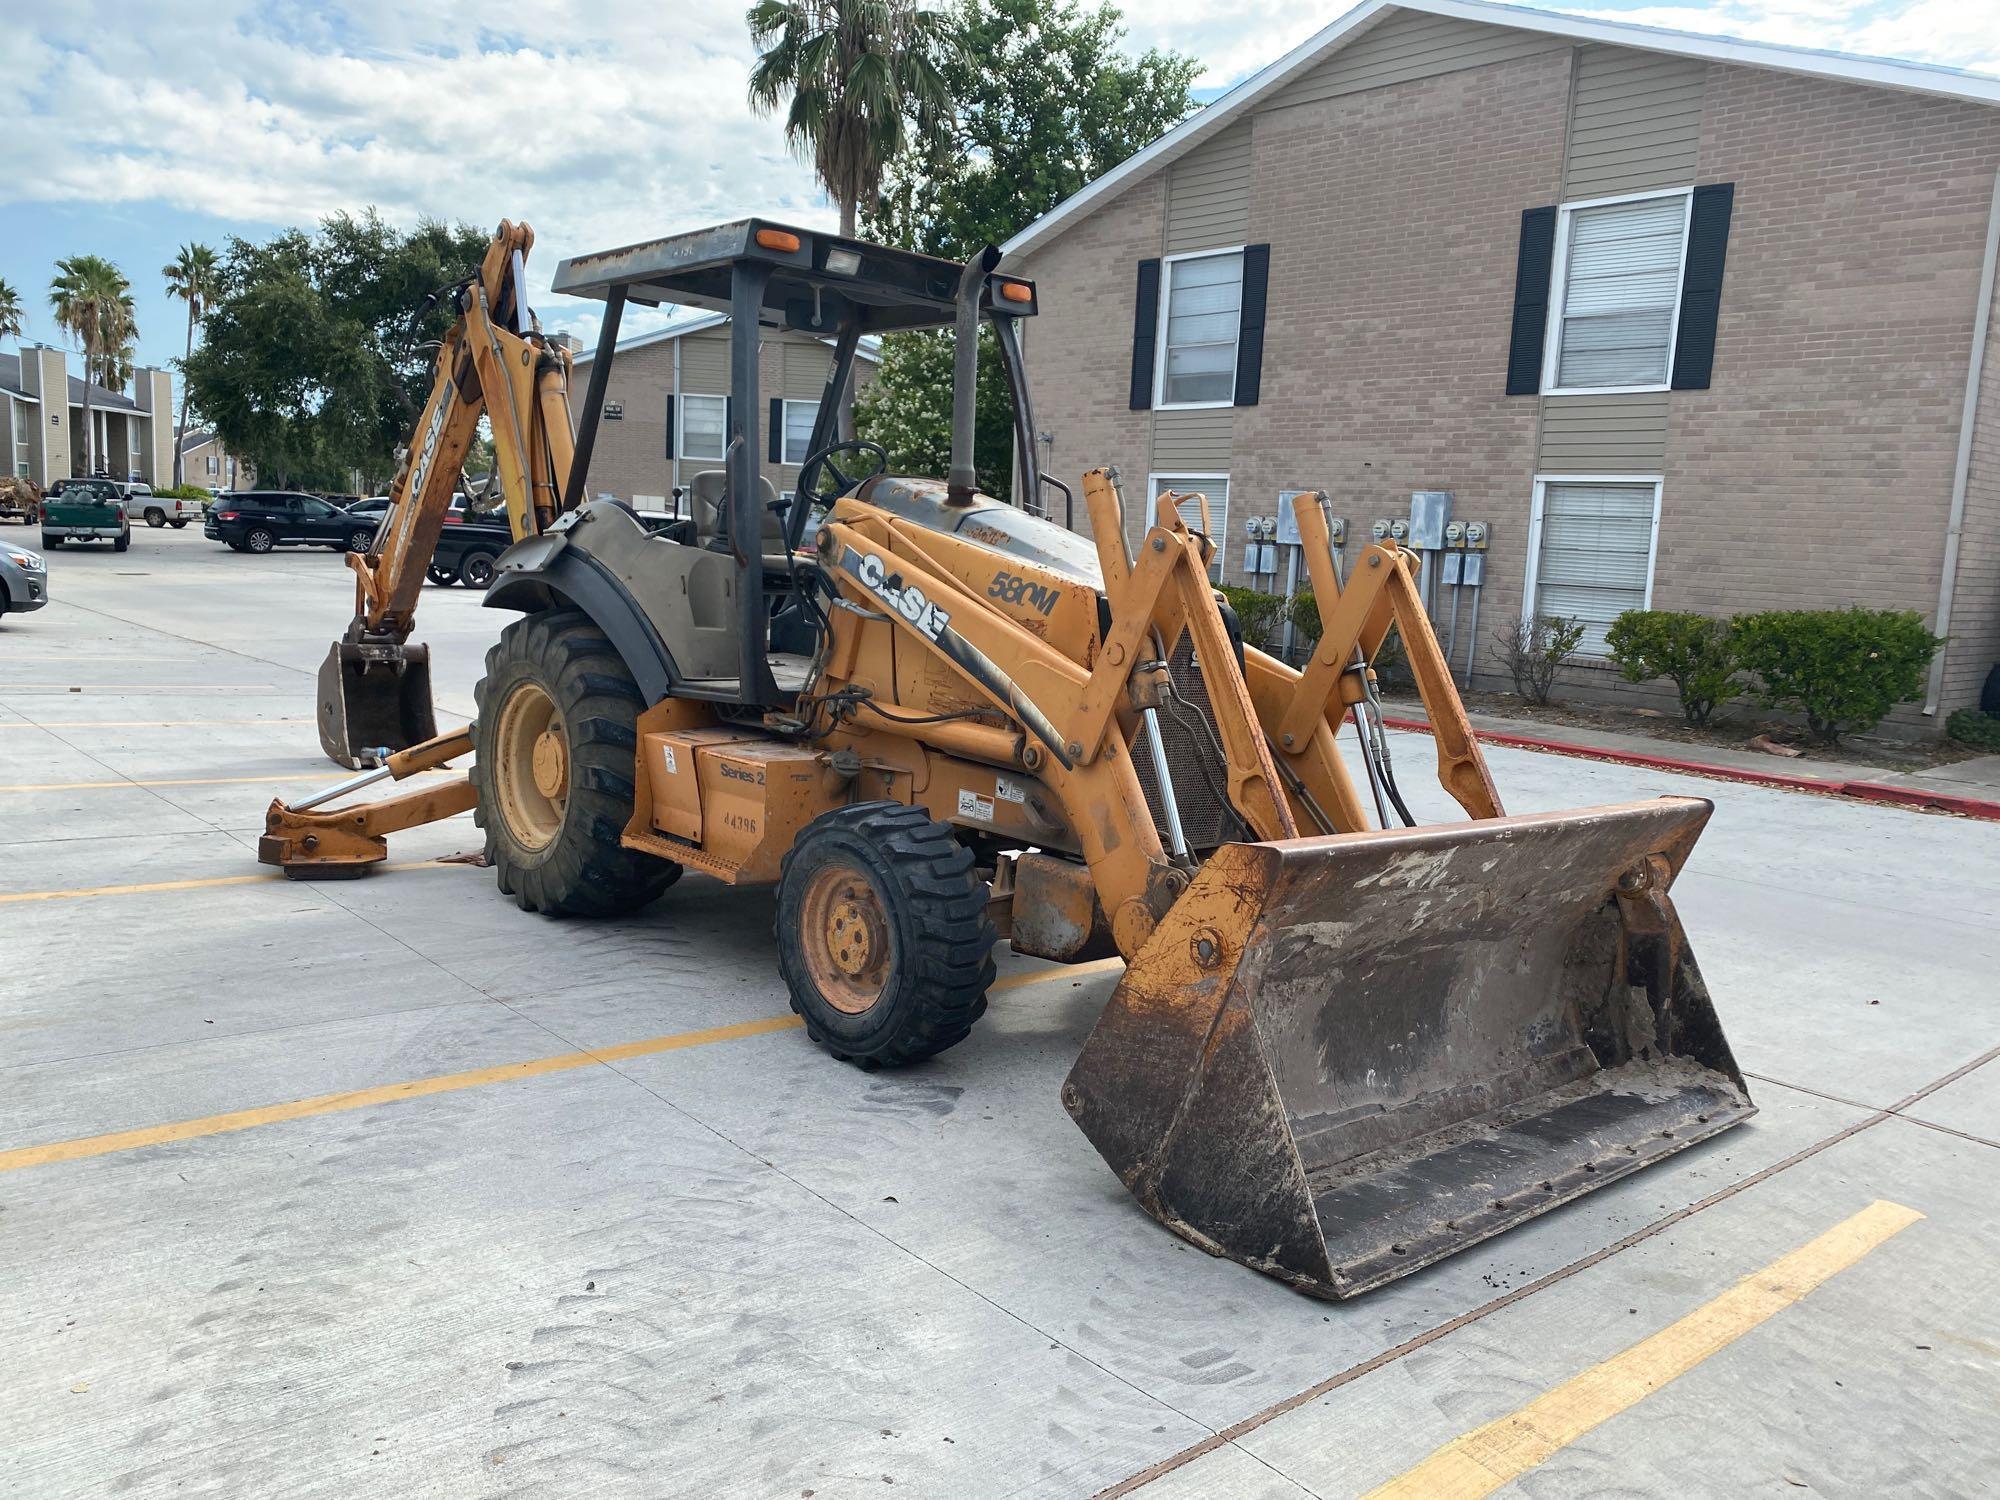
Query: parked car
x=374 y=505
x=159 y=510
x=24 y=580
x=260 y=520
x=85 y=510
x=468 y=547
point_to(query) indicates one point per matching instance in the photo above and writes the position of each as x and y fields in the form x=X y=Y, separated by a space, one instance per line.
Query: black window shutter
x=776 y=446
x=1250 y=328
x=1531 y=300
x=1701 y=285
x=670 y=425
x=728 y=425
x=1145 y=334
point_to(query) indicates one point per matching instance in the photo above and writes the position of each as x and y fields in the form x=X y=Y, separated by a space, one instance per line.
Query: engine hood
x=991 y=523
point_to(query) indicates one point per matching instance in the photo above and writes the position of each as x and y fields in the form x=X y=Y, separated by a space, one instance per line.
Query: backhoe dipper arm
x=494 y=362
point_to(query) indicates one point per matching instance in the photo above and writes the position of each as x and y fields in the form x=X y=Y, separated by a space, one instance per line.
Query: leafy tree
x=12 y=319
x=93 y=303
x=190 y=276
x=1046 y=102
x=316 y=348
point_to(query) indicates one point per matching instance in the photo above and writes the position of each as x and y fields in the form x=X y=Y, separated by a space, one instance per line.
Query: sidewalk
x=1968 y=787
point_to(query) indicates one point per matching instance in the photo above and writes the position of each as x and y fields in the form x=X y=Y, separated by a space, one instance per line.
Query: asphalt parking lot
x=386 y=1187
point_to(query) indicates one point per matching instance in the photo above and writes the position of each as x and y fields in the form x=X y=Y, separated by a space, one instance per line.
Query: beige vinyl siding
x=1409 y=46
x=705 y=364
x=1635 y=122
x=1620 y=434
x=1193 y=442
x=807 y=366
x=1208 y=195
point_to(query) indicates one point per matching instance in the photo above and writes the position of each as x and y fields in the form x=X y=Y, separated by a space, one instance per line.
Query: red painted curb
x=1861 y=791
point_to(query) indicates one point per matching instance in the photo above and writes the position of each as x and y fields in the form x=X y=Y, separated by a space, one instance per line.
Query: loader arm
x=374 y=690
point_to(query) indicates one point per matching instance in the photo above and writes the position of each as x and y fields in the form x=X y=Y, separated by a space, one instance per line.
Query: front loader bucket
x=373 y=701
x=1339 y=1059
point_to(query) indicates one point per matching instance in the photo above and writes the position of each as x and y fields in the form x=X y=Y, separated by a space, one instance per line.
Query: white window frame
x=1160 y=401
x=1531 y=578
x=680 y=428
x=1195 y=482
x=1559 y=289
x=784 y=436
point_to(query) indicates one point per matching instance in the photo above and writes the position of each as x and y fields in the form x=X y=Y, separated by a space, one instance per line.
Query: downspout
x=674 y=437
x=1961 y=471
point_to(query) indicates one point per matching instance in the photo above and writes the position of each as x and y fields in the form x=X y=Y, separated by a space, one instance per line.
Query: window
x=20 y=437
x=799 y=417
x=211 y=463
x=1216 y=487
x=1591 y=551
x=704 y=427
x=1201 y=312
x=1616 y=302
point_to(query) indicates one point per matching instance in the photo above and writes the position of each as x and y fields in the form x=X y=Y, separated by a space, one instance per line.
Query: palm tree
x=191 y=276
x=12 y=319
x=93 y=303
x=856 y=73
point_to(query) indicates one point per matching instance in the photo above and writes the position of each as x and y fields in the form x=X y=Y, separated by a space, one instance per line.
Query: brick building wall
x=631 y=457
x=1816 y=470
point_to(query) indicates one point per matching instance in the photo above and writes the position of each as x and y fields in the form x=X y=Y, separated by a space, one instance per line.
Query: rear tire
x=156 y=518
x=476 y=571
x=123 y=542
x=360 y=541
x=554 y=747
x=442 y=576
x=258 y=540
x=883 y=934
x=177 y=525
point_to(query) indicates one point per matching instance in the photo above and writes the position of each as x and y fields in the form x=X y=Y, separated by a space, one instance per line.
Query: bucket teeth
x=1340 y=1059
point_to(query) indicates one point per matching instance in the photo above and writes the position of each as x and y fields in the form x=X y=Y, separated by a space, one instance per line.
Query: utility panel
x=1430 y=510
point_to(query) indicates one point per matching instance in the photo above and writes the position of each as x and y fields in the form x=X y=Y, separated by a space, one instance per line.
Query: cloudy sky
x=132 y=129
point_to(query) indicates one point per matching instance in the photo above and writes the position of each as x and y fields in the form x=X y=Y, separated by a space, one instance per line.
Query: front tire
x=883 y=934
x=554 y=748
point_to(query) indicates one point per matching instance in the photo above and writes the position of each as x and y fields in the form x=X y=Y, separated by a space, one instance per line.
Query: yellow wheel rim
x=845 y=933
x=532 y=774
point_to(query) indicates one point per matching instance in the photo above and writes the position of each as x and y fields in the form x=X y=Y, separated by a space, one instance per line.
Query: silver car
x=24 y=579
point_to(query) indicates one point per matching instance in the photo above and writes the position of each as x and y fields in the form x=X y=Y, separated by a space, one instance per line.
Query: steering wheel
x=821 y=463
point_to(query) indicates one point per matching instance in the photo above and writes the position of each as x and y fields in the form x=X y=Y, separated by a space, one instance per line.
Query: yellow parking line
x=88 y=786
x=8 y=898
x=57 y=724
x=1063 y=971
x=328 y=1104
x=1494 y=1455
x=445 y=1083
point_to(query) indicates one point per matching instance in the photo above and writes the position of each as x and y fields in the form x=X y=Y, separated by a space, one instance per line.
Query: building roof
x=192 y=438
x=1878 y=72
x=100 y=398
x=870 y=348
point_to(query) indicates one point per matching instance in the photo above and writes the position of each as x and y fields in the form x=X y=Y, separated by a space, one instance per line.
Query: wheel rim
x=532 y=773
x=260 y=541
x=844 y=930
x=479 y=572
x=360 y=541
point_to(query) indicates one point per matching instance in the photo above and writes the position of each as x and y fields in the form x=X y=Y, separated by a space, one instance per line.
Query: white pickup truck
x=141 y=504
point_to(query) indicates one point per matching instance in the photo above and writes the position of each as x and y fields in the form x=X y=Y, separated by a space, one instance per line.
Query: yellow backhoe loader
x=1339 y=1051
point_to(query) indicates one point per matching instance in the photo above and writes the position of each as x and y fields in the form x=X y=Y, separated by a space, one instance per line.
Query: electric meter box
x=1430 y=510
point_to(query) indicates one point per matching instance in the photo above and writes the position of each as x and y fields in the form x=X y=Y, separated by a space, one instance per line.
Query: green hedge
x=1971 y=727
x=1696 y=653
x=1842 y=669
x=184 y=492
x=1260 y=614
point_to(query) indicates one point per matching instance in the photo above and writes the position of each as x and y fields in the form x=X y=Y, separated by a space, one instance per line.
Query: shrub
x=1843 y=669
x=184 y=492
x=1535 y=651
x=1304 y=615
x=1971 y=727
x=1259 y=614
x=1391 y=662
x=1696 y=653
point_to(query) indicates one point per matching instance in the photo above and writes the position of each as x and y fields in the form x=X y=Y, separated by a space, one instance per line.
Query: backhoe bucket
x=1340 y=1059
x=373 y=701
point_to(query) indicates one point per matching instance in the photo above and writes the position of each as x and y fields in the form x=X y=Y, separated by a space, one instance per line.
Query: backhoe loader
x=1339 y=1050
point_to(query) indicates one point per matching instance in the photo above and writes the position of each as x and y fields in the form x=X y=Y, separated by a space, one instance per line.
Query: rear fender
x=546 y=572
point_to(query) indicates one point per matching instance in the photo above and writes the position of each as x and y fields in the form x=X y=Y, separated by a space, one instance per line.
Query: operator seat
x=711 y=517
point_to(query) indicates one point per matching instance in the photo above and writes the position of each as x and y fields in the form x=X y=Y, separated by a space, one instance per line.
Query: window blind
x=1204 y=315
x=1596 y=553
x=1621 y=283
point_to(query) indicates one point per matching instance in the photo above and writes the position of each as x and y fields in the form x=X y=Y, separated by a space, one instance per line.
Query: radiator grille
x=1192 y=760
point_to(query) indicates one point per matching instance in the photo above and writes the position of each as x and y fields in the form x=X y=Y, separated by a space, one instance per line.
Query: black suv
x=259 y=520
